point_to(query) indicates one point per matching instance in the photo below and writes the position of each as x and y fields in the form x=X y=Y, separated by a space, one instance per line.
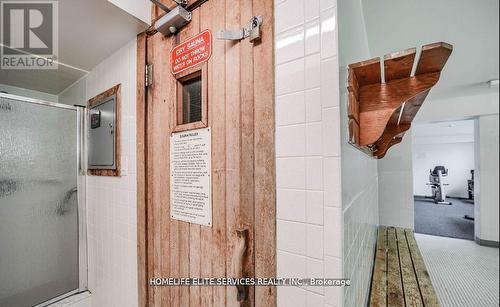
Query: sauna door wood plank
x=239 y=81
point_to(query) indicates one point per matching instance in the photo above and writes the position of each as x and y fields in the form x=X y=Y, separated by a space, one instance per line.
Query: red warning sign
x=191 y=52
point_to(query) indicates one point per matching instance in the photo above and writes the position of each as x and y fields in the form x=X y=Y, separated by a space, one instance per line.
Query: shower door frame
x=81 y=199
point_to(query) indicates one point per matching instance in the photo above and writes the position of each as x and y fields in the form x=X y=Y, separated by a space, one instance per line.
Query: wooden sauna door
x=238 y=89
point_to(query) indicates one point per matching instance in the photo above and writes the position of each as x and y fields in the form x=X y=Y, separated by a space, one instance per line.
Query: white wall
x=111 y=201
x=396 y=206
x=307 y=150
x=359 y=172
x=14 y=90
x=140 y=9
x=486 y=183
x=396 y=185
x=457 y=157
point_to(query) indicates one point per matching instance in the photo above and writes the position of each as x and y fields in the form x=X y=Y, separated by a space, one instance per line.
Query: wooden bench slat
x=428 y=293
x=395 y=295
x=378 y=296
x=410 y=284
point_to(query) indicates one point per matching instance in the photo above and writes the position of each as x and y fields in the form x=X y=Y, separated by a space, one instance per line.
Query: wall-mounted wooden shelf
x=381 y=111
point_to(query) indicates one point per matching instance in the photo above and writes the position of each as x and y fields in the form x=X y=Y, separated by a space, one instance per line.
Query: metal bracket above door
x=251 y=30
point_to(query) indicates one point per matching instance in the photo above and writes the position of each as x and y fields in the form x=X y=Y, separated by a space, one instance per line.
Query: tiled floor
x=462 y=272
x=77 y=300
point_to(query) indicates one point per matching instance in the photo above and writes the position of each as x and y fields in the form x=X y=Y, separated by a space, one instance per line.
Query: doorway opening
x=443 y=178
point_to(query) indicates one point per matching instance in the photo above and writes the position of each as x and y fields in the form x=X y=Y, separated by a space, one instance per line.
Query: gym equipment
x=470 y=188
x=437 y=185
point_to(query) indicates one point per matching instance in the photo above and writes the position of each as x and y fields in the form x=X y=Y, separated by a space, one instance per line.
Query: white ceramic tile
x=291 y=173
x=314 y=207
x=290 y=77
x=314 y=173
x=315 y=269
x=326 y=4
x=332 y=182
x=333 y=232
x=331 y=132
x=315 y=300
x=313 y=71
x=290 y=109
x=313 y=105
x=313 y=37
x=289 y=13
x=111 y=202
x=291 y=205
x=290 y=45
x=314 y=139
x=329 y=83
x=291 y=237
x=290 y=141
x=311 y=9
x=328 y=33
x=333 y=269
x=291 y=297
x=291 y=265
x=315 y=241
x=310 y=78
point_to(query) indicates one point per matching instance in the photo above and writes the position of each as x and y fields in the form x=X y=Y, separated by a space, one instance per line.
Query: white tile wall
x=308 y=150
x=111 y=202
x=359 y=172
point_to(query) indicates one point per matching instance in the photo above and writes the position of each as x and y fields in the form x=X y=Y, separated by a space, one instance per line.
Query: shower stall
x=43 y=252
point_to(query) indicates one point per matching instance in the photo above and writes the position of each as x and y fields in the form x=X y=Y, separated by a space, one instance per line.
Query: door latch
x=251 y=30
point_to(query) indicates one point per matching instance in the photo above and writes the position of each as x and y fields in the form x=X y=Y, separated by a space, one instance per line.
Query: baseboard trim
x=487 y=242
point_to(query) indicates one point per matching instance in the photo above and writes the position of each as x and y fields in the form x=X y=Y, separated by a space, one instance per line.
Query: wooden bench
x=400 y=277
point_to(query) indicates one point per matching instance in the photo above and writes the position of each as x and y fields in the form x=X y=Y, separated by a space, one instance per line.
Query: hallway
x=462 y=272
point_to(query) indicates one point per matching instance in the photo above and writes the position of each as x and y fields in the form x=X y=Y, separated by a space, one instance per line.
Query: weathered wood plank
x=395 y=296
x=264 y=148
x=398 y=65
x=206 y=244
x=433 y=58
x=410 y=284
x=424 y=281
x=217 y=112
x=367 y=72
x=378 y=296
x=233 y=145
x=247 y=187
x=142 y=276
x=379 y=101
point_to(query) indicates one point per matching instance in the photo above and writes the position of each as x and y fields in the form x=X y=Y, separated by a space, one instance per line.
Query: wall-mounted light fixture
x=175 y=18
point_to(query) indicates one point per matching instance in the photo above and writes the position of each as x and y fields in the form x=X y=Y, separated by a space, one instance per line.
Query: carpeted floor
x=462 y=272
x=444 y=220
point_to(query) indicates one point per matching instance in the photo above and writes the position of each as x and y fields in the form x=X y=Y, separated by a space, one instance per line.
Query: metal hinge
x=251 y=30
x=149 y=75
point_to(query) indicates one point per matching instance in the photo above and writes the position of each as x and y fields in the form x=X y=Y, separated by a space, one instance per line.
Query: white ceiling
x=470 y=26
x=443 y=132
x=89 y=32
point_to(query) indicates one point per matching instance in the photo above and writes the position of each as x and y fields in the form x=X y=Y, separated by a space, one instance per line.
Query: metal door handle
x=239 y=257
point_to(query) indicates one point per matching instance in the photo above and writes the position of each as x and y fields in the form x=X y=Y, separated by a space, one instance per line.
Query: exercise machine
x=470 y=188
x=437 y=185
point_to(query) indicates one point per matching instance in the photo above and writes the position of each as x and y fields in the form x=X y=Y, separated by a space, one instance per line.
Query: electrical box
x=101 y=136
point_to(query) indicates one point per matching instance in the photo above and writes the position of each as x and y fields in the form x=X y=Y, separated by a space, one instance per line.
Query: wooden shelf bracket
x=381 y=111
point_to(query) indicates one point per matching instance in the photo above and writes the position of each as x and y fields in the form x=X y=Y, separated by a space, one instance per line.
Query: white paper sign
x=190 y=176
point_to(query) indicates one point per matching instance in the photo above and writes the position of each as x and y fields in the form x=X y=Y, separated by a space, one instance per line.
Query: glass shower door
x=39 y=252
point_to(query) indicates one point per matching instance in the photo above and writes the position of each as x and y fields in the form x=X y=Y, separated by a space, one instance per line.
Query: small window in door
x=192 y=108
x=191 y=99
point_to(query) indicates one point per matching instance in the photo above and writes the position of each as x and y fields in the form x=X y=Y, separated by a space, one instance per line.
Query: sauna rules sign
x=190 y=177
x=194 y=51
